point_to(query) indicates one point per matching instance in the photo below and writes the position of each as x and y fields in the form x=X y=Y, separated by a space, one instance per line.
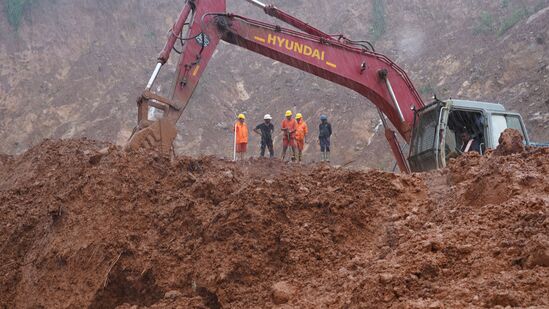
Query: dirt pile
x=85 y=224
x=510 y=141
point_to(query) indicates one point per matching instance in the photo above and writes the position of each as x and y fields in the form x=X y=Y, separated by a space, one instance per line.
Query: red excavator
x=433 y=131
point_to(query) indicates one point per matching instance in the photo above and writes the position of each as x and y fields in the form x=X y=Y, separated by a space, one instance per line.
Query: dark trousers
x=267 y=144
x=324 y=144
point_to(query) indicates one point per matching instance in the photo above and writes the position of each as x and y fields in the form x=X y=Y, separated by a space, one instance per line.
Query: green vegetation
x=539 y=6
x=512 y=20
x=14 y=10
x=378 y=27
x=426 y=90
x=504 y=4
x=485 y=24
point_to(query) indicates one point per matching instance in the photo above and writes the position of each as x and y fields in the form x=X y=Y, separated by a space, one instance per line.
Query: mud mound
x=88 y=225
x=510 y=141
x=4 y=159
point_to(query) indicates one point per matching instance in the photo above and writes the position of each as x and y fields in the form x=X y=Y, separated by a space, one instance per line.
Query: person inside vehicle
x=469 y=143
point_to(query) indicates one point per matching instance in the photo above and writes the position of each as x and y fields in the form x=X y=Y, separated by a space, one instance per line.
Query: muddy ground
x=85 y=224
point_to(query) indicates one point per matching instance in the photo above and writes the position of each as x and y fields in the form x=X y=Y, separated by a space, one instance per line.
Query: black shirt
x=324 y=130
x=266 y=131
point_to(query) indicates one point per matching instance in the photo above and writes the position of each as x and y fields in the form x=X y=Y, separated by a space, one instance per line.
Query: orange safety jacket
x=301 y=130
x=291 y=126
x=241 y=133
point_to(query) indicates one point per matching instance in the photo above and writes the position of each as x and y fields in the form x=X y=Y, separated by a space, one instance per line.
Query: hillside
x=74 y=68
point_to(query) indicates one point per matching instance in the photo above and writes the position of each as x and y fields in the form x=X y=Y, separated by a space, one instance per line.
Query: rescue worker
x=324 y=134
x=288 y=128
x=266 y=130
x=241 y=135
x=301 y=132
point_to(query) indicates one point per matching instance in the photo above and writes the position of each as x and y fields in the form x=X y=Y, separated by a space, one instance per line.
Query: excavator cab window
x=464 y=123
x=500 y=122
x=424 y=150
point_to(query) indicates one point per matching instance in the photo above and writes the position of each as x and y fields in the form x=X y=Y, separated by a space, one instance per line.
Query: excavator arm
x=336 y=59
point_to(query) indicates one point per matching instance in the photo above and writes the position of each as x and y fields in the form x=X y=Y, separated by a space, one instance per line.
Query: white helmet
x=267 y=117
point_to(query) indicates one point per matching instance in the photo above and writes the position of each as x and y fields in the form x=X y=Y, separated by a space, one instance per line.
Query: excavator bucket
x=158 y=134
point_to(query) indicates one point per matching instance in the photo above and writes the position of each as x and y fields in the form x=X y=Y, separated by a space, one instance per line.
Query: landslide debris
x=510 y=141
x=85 y=224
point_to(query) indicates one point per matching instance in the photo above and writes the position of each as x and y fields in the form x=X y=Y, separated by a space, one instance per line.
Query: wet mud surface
x=86 y=224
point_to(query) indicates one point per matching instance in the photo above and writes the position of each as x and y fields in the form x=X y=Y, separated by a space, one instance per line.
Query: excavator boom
x=339 y=60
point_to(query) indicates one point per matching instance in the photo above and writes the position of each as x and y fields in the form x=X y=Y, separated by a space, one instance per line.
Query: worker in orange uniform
x=289 y=126
x=301 y=132
x=241 y=136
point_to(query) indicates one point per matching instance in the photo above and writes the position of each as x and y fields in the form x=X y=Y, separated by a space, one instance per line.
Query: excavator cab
x=442 y=129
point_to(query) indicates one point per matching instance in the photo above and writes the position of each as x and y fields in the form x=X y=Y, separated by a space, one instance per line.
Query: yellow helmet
x=241 y=116
x=288 y=113
x=298 y=116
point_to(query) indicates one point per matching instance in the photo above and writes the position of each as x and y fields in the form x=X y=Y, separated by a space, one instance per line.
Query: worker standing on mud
x=301 y=132
x=241 y=136
x=324 y=134
x=289 y=126
x=266 y=130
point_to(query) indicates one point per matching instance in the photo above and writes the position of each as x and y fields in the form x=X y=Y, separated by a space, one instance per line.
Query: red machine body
x=336 y=59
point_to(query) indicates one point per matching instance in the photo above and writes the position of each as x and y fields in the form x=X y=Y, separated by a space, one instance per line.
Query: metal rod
x=234 y=144
x=257 y=3
x=382 y=118
x=394 y=98
x=153 y=76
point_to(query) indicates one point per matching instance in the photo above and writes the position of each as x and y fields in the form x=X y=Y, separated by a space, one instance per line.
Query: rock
x=173 y=294
x=388 y=297
x=436 y=305
x=502 y=299
x=104 y=151
x=96 y=158
x=539 y=258
x=466 y=249
x=228 y=174
x=432 y=245
x=386 y=278
x=304 y=189
x=510 y=141
x=282 y=292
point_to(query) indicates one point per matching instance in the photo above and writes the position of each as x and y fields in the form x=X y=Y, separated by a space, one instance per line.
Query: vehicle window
x=425 y=131
x=451 y=145
x=502 y=122
x=459 y=123
x=513 y=122
x=422 y=154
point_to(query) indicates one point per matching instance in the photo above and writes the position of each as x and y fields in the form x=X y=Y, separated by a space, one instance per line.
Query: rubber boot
x=322 y=156
x=328 y=157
